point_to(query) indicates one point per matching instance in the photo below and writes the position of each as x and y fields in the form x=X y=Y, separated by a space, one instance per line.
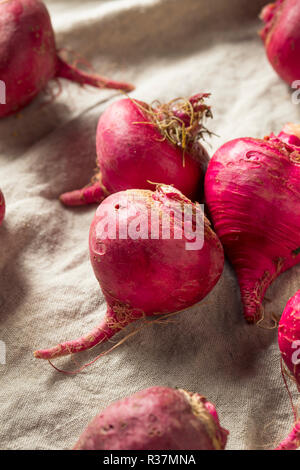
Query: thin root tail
x=81 y=197
x=64 y=70
x=100 y=334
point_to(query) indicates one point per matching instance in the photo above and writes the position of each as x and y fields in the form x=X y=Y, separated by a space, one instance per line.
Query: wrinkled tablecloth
x=48 y=292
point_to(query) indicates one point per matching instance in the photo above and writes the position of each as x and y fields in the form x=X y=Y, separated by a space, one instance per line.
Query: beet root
x=138 y=144
x=158 y=418
x=148 y=271
x=252 y=192
x=2 y=207
x=28 y=55
x=289 y=345
x=281 y=35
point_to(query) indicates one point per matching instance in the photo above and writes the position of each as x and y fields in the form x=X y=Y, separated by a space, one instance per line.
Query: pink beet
x=289 y=336
x=137 y=144
x=145 y=274
x=253 y=195
x=158 y=418
x=281 y=36
x=289 y=344
x=2 y=207
x=28 y=55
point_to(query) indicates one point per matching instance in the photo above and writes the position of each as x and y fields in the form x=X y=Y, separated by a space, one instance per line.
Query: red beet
x=142 y=269
x=2 y=207
x=253 y=195
x=28 y=55
x=289 y=344
x=281 y=36
x=137 y=144
x=158 y=418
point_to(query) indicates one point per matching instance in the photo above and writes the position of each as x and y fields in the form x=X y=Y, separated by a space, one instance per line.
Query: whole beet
x=253 y=195
x=281 y=36
x=146 y=271
x=138 y=144
x=289 y=345
x=158 y=418
x=28 y=55
x=289 y=336
x=2 y=207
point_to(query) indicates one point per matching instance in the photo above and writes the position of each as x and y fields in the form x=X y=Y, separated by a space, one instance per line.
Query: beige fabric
x=168 y=48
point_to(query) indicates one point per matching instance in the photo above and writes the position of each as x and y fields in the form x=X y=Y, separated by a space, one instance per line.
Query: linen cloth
x=48 y=292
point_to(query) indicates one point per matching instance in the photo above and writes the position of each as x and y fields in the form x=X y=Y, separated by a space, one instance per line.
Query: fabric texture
x=48 y=292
